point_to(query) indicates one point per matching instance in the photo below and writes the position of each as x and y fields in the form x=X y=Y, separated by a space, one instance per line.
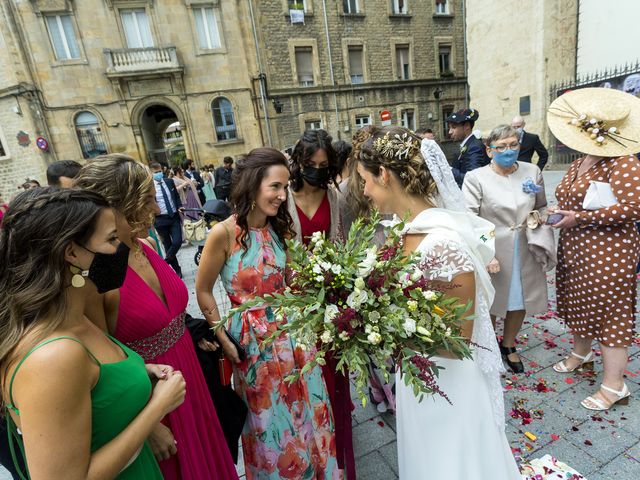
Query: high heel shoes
x=516 y=367
x=600 y=404
x=586 y=363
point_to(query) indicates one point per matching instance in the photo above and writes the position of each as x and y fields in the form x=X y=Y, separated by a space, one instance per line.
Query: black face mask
x=316 y=177
x=108 y=270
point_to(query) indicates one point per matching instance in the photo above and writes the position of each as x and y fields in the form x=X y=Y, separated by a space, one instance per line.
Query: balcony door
x=137 y=30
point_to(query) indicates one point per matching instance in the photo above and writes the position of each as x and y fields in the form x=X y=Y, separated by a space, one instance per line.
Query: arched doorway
x=162 y=134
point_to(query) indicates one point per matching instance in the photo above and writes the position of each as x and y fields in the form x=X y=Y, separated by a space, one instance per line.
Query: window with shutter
x=356 y=71
x=402 y=62
x=90 y=136
x=444 y=58
x=304 y=66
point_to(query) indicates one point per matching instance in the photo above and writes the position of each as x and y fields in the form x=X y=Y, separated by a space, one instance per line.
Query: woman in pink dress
x=147 y=314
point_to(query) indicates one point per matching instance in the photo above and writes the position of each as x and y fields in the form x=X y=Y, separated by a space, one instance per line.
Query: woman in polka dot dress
x=597 y=256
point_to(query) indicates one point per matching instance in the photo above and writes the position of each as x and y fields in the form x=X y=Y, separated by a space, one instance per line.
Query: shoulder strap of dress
x=22 y=360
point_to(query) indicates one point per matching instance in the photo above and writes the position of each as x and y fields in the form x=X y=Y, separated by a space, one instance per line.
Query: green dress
x=122 y=391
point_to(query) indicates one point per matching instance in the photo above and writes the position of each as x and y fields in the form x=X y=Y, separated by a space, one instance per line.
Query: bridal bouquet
x=362 y=304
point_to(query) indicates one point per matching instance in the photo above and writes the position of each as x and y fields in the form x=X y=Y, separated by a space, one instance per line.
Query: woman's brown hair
x=397 y=149
x=125 y=184
x=246 y=180
x=355 y=199
x=36 y=230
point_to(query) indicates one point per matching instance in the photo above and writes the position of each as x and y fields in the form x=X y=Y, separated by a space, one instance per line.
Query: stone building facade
x=111 y=75
x=95 y=76
x=516 y=52
x=350 y=60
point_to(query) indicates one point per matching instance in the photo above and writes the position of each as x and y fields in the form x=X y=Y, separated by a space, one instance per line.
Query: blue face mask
x=505 y=159
x=158 y=176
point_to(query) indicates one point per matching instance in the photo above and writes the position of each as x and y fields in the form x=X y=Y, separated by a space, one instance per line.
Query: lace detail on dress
x=445 y=259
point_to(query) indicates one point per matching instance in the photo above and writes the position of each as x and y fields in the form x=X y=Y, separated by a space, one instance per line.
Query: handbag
x=599 y=195
x=541 y=241
x=195 y=231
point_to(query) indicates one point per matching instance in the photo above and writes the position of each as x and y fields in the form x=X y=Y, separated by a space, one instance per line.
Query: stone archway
x=150 y=119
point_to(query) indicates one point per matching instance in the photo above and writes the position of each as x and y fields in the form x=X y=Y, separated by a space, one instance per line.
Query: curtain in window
x=304 y=65
x=207 y=27
x=136 y=28
x=402 y=62
x=63 y=37
x=223 y=119
x=355 y=61
x=92 y=142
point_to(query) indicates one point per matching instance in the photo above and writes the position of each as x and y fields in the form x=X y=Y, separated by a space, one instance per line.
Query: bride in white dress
x=464 y=440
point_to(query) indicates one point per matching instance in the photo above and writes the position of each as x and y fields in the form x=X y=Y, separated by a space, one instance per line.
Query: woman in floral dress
x=289 y=432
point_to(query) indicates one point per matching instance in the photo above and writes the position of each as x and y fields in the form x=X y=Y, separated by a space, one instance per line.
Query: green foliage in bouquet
x=361 y=305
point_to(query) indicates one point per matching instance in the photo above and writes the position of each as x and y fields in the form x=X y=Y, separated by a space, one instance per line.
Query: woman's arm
x=53 y=393
x=472 y=192
x=214 y=255
x=541 y=196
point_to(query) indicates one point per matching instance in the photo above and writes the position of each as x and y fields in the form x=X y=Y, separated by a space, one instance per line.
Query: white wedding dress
x=466 y=440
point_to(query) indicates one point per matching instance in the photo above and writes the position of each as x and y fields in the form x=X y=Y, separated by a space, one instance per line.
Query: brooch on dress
x=530 y=187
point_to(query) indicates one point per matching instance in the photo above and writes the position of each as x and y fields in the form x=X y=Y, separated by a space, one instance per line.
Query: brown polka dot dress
x=596 y=272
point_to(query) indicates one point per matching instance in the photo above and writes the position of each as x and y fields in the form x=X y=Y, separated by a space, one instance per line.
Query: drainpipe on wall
x=464 y=51
x=261 y=76
x=333 y=81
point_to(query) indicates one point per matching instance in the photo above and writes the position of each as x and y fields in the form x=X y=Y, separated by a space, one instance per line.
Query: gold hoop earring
x=77 y=281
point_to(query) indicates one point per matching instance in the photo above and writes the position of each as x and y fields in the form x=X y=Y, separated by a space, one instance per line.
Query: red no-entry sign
x=385 y=116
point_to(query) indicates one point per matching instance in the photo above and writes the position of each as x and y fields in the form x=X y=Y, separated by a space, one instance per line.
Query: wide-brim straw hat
x=597 y=121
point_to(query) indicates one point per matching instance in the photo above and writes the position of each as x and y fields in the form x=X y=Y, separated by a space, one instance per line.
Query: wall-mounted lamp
x=277 y=105
x=437 y=94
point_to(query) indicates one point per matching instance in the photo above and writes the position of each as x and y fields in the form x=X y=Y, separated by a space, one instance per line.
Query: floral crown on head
x=397 y=146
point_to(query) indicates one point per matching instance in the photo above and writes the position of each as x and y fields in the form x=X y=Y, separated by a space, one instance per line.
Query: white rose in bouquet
x=330 y=312
x=357 y=298
x=374 y=338
x=409 y=326
x=326 y=337
x=366 y=266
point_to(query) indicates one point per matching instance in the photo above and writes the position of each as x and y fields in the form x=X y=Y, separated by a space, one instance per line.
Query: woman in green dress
x=79 y=403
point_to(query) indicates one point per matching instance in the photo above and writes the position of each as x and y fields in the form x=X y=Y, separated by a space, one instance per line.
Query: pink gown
x=156 y=331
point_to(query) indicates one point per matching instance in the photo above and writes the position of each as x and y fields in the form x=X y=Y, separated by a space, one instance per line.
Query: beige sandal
x=600 y=405
x=586 y=363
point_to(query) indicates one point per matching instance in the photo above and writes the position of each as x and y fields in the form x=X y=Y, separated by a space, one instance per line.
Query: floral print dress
x=289 y=432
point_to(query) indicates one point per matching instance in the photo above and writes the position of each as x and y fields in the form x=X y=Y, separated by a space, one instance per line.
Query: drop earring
x=253 y=205
x=77 y=281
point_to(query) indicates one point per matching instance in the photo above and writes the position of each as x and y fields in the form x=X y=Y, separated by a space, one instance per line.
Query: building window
x=362 y=121
x=3 y=147
x=304 y=66
x=63 y=37
x=442 y=7
x=402 y=62
x=399 y=7
x=207 y=27
x=446 y=111
x=90 y=136
x=444 y=59
x=525 y=105
x=313 y=125
x=137 y=31
x=351 y=6
x=297 y=4
x=407 y=119
x=224 y=120
x=355 y=64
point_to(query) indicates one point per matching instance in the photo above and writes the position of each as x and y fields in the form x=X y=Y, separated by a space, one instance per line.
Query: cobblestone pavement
x=601 y=446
